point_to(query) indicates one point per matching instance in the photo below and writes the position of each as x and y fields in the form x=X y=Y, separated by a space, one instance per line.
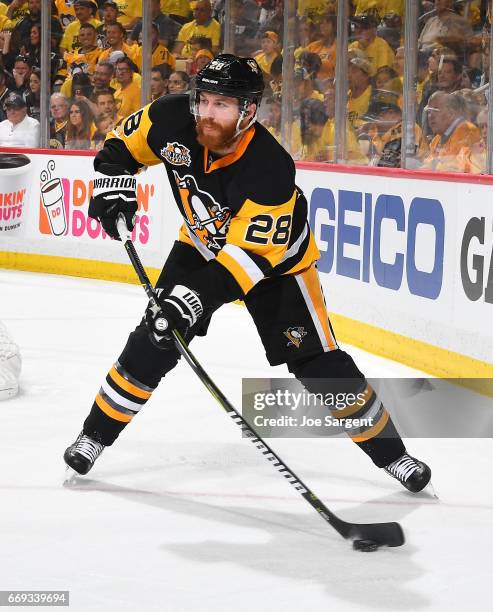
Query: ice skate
x=410 y=472
x=82 y=454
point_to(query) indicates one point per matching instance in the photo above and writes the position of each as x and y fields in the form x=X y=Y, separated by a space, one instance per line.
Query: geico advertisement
x=386 y=239
x=474 y=263
x=476 y=257
x=411 y=256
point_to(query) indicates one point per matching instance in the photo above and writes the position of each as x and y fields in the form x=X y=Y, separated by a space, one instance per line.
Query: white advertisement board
x=49 y=197
x=408 y=255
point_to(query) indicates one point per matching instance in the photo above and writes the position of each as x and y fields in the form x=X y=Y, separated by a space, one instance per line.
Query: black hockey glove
x=114 y=193
x=178 y=310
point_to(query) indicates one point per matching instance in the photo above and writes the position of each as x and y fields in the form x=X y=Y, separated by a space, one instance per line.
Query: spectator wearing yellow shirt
x=66 y=11
x=311 y=126
x=88 y=53
x=353 y=153
x=385 y=127
x=16 y=11
x=110 y=14
x=179 y=10
x=472 y=159
x=325 y=47
x=115 y=38
x=178 y=83
x=270 y=50
x=129 y=12
x=202 y=25
x=273 y=125
x=315 y=132
x=452 y=132
x=315 y=8
x=127 y=95
x=159 y=81
x=106 y=105
x=378 y=52
x=383 y=7
x=360 y=72
x=387 y=79
x=304 y=86
x=202 y=58
x=168 y=28
x=160 y=54
x=84 y=11
x=5 y=23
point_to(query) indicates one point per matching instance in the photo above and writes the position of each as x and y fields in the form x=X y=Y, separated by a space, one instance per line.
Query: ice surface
x=181 y=514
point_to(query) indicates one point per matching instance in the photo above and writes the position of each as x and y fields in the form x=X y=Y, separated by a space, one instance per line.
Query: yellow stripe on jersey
x=237 y=270
x=111 y=412
x=318 y=310
x=133 y=131
x=127 y=385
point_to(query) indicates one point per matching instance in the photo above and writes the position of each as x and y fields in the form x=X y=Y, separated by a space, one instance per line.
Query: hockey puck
x=365 y=545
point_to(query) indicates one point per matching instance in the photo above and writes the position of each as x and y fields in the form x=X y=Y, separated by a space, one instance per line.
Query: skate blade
x=432 y=490
x=71 y=477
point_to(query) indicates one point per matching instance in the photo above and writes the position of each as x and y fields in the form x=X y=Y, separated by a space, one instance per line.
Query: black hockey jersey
x=242 y=211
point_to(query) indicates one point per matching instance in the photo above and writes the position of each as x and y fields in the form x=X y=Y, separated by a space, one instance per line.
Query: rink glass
x=315 y=119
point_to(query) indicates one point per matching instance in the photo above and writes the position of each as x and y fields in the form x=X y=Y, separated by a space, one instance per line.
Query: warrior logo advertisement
x=207 y=219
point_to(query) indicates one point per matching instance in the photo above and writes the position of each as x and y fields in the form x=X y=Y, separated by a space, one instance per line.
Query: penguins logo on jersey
x=207 y=219
x=295 y=336
x=176 y=154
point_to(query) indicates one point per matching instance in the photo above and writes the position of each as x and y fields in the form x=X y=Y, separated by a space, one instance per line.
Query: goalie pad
x=10 y=364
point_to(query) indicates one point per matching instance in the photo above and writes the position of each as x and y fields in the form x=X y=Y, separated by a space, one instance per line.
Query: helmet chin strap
x=242 y=115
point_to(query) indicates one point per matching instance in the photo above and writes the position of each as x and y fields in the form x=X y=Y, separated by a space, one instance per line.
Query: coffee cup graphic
x=52 y=198
x=14 y=191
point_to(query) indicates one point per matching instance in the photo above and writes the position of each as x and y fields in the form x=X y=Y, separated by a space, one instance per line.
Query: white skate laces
x=87 y=447
x=402 y=468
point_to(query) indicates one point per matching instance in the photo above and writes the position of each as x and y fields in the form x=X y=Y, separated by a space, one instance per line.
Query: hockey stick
x=382 y=534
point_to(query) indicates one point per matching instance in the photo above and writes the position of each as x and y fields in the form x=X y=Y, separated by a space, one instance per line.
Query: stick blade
x=384 y=534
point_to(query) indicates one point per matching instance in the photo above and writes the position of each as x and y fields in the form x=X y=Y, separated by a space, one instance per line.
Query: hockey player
x=245 y=235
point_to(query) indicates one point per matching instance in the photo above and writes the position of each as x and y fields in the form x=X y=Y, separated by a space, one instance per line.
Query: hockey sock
x=370 y=425
x=119 y=399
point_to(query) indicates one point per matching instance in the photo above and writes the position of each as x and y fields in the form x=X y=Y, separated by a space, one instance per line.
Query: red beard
x=215 y=139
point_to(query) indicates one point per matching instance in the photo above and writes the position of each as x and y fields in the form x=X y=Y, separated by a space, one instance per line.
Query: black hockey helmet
x=230 y=75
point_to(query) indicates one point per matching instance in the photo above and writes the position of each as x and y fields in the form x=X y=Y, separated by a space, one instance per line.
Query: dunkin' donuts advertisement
x=64 y=201
x=54 y=204
x=15 y=175
x=44 y=202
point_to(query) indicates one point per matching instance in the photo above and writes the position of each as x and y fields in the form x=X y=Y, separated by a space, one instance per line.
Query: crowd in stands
x=96 y=63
